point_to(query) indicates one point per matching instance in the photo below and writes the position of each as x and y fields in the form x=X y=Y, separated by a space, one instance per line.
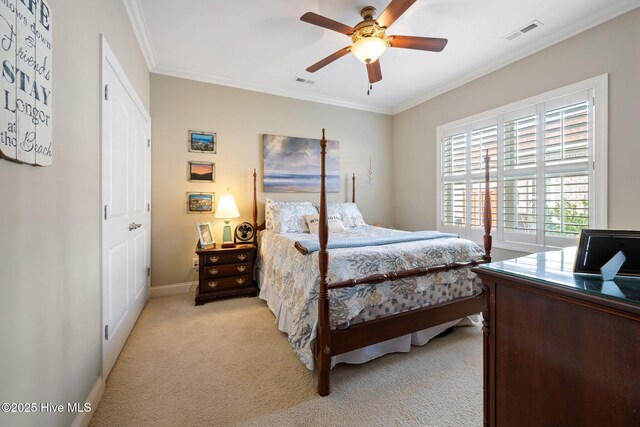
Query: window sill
x=521 y=247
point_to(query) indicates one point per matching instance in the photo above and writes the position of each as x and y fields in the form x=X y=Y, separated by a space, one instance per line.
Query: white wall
x=50 y=341
x=240 y=118
x=612 y=47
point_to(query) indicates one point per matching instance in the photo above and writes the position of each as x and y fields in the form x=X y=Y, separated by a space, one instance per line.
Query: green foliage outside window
x=576 y=217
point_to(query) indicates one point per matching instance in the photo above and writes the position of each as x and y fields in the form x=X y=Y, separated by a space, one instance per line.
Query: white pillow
x=349 y=213
x=335 y=223
x=288 y=217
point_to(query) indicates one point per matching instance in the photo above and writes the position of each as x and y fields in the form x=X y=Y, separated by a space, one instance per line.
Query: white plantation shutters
x=483 y=139
x=543 y=182
x=455 y=204
x=454 y=190
x=567 y=151
x=455 y=155
x=463 y=186
x=520 y=170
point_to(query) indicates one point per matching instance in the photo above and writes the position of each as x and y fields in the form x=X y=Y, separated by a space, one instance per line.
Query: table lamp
x=226 y=210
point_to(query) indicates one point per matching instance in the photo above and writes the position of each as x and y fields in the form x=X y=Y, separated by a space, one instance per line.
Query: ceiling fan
x=370 y=39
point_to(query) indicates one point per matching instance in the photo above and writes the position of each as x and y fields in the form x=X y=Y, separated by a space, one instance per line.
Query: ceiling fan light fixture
x=369 y=49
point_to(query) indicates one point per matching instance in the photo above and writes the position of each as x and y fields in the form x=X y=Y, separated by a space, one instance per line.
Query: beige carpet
x=225 y=363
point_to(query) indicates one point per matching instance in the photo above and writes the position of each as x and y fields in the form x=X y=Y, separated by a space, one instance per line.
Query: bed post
x=353 y=189
x=487 y=210
x=255 y=209
x=324 y=327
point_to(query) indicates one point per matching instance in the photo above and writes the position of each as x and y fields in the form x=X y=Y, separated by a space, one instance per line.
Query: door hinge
x=106 y=92
x=148 y=207
x=105 y=211
x=148 y=142
x=148 y=272
x=106 y=332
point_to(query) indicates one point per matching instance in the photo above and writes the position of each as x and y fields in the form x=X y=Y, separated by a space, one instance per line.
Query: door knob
x=134 y=226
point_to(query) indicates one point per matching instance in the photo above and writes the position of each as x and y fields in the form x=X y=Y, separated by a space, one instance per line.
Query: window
x=547 y=169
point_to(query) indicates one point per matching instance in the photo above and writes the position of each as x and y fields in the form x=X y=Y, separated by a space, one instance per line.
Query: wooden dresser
x=225 y=272
x=559 y=349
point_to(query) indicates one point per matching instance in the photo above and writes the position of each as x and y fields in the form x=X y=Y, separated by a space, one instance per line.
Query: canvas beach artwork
x=202 y=142
x=292 y=165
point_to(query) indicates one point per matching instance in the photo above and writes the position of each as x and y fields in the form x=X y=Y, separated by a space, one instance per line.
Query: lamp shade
x=369 y=49
x=227 y=208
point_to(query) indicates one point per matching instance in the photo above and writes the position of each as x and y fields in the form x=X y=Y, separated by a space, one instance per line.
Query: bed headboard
x=257 y=227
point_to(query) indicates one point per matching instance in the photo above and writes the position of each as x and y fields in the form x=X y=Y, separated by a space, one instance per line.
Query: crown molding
x=139 y=24
x=577 y=28
x=256 y=87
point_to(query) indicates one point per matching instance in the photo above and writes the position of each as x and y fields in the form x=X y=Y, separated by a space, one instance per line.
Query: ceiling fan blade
x=321 y=21
x=432 y=44
x=329 y=59
x=394 y=10
x=374 y=71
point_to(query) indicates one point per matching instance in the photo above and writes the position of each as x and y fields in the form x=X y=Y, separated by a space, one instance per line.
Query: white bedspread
x=294 y=278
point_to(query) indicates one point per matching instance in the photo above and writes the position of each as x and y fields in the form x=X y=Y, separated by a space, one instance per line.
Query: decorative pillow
x=349 y=213
x=288 y=217
x=335 y=223
x=268 y=213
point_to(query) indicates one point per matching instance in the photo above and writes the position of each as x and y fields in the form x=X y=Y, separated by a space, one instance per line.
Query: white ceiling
x=262 y=45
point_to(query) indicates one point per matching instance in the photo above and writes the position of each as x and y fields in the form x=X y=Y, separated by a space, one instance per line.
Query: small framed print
x=597 y=247
x=205 y=234
x=201 y=202
x=202 y=142
x=201 y=171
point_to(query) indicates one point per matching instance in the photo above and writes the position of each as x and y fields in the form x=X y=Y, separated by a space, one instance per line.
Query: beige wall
x=50 y=299
x=240 y=118
x=612 y=47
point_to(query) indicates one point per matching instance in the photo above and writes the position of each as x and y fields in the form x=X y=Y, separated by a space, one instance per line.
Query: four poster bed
x=386 y=289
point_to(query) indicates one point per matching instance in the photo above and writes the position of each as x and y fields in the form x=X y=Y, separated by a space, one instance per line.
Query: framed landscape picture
x=202 y=142
x=200 y=202
x=292 y=165
x=201 y=171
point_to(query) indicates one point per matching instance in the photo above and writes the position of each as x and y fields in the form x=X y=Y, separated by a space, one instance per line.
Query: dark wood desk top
x=554 y=270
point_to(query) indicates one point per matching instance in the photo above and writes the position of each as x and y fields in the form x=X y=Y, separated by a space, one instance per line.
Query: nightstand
x=226 y=272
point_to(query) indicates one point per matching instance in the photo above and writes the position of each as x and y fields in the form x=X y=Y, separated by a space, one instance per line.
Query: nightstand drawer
x=223 y=270
x=214 y=284
x=228 y=258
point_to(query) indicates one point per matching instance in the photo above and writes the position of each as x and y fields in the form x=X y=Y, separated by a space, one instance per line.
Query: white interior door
x=126 y=217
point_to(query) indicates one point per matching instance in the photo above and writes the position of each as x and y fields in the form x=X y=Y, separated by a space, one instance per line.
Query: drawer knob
x=242 y=268
x=241 y=280
x=214 y=258
x=213 y=271
x=212 y=284
x=242 y=257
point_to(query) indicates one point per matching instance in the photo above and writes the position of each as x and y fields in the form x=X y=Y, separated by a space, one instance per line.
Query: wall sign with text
x=25 y=81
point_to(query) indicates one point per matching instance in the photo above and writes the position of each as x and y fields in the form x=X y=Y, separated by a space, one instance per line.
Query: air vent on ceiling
x=307 y=81
x=530 y=26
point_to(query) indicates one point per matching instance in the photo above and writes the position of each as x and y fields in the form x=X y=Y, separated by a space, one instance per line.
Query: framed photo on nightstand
x=205 y=234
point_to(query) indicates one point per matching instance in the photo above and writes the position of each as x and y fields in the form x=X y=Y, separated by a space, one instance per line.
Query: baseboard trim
x=173 y=289
x=82 y=419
